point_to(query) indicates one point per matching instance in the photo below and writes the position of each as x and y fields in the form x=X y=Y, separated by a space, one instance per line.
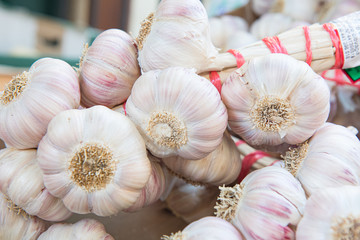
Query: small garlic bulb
x=265 y=205
x=178 y=113
x=16 y=224
x=331 y=214
x=276 y=99
x=108 y=69
x=89 y=229
x=30 y=100
x=176 y=35
x=329 y=159
x=21 y=180
x=209 y=228
x=222 y=166
x=154 y=187
x=94 y=160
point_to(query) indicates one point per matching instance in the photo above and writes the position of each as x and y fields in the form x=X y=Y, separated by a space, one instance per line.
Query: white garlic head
x=329 y=159
x=94 y=160
x=265 y=205
x=33 y=98
x=108 y=69
x=177 y=112
x=331 y=213
x=210 y=228
x=86 y=228
x=222 y=166
x=21 y=180
x=176 y=35
x=276 y=99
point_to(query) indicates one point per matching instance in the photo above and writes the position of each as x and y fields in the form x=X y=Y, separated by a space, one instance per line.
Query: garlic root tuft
x=144 y=30
x=229 y=198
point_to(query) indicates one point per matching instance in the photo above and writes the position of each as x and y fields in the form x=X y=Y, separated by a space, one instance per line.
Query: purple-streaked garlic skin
x=108 y=69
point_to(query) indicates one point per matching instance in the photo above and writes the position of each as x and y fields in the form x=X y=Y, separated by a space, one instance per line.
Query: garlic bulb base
x=144 y=30
x=15 y=208
x=347 y=227
x=14 y=88
x=294 y=157
x=174 y=236
x=229 y=198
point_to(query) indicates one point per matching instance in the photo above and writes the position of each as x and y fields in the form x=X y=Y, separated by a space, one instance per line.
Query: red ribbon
x=248 y=161
x=335 y=39
x=274 y=45
x=215 y=80
x=307 y=45
x=124 y=106
x=240 y=60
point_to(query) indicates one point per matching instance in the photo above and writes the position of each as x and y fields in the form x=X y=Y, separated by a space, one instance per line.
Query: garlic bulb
x=94 y=160
x=21 y=180
x=16 y=224
x=222 y=166
x=275 y=99
x=30 y=100
x=209 y=228
x=265 y=205
x=108 y=69
x=177 y=112
x=239 y=39
x=176 y=35
x=187 y=201
x=329 y=159
x=84 y=229
x=154 y=187
x=331 y=214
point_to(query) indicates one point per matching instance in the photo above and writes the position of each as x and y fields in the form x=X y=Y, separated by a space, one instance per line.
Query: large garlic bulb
x=33 y=98
x=108 y=69
x=177 y=112
x=276 y=99
x=89 y=229
x=176 y=35
x=207 y=228
x=94 y=160
x=265 y=205
x=21 y=180
x=222 y=166
x=16 y=224
x=331 y=214
x=329 y=159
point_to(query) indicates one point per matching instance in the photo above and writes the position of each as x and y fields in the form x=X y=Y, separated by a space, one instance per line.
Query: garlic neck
x=347 y=228
x=174 y=236
x=229 y=199
x=294 y=158
x=83 y=56
x=92 y=167
x=15 y=208
x=167 y=130
x=15 y=88
x=144 y=30
x=272 y=114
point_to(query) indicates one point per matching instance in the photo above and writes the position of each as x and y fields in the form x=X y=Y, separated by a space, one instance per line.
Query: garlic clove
x=33 y=98
x=108 y=69
x=76 y=200
x=167 y=118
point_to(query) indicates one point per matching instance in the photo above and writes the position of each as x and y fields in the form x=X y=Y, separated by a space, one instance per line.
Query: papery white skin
x=324 y=208
x=190 y=98
x=209 y=228
x=276 y=75
x=109 y=69
x=17 y=227
x=153 y=189
x=239 y=39
x=84 y=229
x=270 y=200
x=332 y=159
x=222 y=166
x=21 y=180
x=179 y=36
x=73 y=129
x=52 y=87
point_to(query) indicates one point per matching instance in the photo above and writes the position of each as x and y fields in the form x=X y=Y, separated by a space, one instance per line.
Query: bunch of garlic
x=30 y=100
x=177 y=112
x=21 y=180
x=265 y=205
x=108 y=69
x=222 y=166
x=329 y=159
x=89 y=229
x=154 y=187
x=177 y=35
x=16 y=224
x=94 y=160
x=188 y=201
x=275 y=99
x=331 y=214
x=209 y=228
